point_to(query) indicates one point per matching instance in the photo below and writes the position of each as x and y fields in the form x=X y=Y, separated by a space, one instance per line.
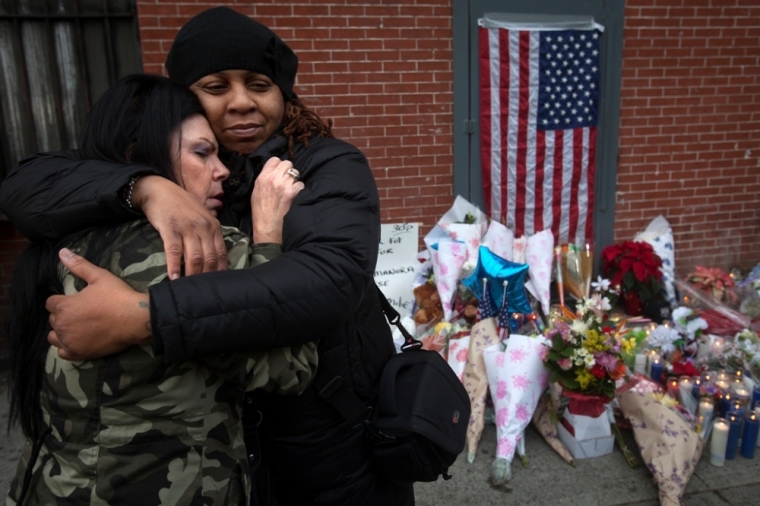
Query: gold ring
x=293 y=173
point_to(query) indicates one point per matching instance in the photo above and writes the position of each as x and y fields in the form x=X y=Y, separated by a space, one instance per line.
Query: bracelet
x=130 y=189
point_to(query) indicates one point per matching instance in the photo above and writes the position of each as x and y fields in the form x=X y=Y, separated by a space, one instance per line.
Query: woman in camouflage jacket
x=130 y=428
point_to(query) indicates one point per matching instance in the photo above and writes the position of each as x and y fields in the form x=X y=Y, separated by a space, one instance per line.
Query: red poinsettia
x=635 y=267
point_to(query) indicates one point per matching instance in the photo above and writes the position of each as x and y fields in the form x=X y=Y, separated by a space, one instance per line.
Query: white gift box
x=586 y=427
x=585 y=449
x=587 y=436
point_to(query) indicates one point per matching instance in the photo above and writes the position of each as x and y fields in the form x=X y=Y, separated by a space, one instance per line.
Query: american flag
x=538 y=102
x=485 y=306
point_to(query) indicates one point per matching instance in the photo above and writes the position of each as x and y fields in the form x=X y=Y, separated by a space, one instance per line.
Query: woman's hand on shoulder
x=186 y=227
x=273 y=193
x=106 y=317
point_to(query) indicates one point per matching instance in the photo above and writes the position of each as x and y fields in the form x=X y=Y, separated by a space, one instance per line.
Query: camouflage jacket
x=131 y=429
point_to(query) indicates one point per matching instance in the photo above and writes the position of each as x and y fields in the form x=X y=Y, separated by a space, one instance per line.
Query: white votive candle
x=718 y=442
x=706 y=408
x=640 y=364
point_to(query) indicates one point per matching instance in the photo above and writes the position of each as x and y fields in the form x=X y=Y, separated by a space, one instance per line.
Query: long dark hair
x=133 y=122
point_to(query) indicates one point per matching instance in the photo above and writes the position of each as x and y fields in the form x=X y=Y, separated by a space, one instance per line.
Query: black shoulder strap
x=334 y=390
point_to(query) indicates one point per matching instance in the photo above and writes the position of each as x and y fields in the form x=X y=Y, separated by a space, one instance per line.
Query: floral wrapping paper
x=518 y=250
x=669 y=446
x=539 y=254
x=457 y=359
x=452 y=245
x=517 y=379
x=447 y=261
x=475 y=380
x=542 y=421
x=499 y=239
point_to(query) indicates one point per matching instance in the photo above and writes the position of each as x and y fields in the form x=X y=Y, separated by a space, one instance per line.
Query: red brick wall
x=690 y=127
x=381 y=70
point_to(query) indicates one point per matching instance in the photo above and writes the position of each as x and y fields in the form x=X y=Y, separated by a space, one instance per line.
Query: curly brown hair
x=300 y=123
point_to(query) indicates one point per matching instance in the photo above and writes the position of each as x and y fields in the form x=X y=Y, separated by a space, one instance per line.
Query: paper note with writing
x=396 y=261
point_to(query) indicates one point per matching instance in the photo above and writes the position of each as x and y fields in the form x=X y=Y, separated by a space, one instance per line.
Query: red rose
x=598 y=371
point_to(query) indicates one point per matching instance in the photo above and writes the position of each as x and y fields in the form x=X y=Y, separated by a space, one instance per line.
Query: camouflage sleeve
x=286 y=371
x=265 y=252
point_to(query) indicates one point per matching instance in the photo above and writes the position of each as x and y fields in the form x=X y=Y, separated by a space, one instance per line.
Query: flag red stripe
x=591 y=182
x=485 y=116
x=539 y=187
x=522 y=133
x=577 y=167
x=504 y=83
x=557 y=182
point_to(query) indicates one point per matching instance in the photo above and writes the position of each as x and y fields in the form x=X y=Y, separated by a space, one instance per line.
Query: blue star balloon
x=497 y=270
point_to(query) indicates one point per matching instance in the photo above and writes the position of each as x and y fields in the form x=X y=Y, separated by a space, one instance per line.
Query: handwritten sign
x=396 y=261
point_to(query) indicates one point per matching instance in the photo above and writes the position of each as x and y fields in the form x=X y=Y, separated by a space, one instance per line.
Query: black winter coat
x=320 y=288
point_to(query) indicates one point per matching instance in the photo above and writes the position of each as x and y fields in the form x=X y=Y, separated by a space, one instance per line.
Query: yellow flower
x=665 y=400
x=441 y=327
x=584 y=378
x=593 y=341
x=628 y=344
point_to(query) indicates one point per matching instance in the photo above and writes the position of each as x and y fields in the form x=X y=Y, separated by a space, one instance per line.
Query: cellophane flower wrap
x=715 y=282
x=585 y=353
x=635 y=267
x=670 y=446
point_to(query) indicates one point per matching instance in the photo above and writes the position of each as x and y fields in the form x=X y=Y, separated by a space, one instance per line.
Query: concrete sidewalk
x=548 y=481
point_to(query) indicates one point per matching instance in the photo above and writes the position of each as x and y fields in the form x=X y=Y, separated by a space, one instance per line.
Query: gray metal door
x=467 y=171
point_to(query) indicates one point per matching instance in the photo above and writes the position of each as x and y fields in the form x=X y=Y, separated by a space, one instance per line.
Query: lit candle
x=725 y=404
x=741 y=395
x=706 y=408
x=749 y=435
x=657 y=369
x=685 y=388
x=738 y=384
x=722 y=384
x=734 y=431
x=673 y=390
x=718 y=442
x=696 y=390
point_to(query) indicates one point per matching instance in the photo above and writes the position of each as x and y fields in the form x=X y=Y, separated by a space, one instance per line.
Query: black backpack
x=418 y=423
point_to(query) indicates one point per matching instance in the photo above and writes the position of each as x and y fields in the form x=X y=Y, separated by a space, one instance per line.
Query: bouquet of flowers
x=635 y=267
x=585 y=354
x=715 y=282
x=678 y=341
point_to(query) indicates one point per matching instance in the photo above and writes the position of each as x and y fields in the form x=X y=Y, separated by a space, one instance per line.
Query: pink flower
x=517 y=355
x=443 y=269
x=522 y=413
x=501 y=389
x=462 y=355
x=564 y=363
x=505 y=447
x=501 y=417
x=500 y=360
x=521 y=381
x=609 y=362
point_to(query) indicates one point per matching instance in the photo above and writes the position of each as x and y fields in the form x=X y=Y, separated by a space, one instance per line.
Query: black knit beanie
x=221 y=39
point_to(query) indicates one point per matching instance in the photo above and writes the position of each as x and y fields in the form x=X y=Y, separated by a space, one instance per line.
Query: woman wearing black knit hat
x=320 y=288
